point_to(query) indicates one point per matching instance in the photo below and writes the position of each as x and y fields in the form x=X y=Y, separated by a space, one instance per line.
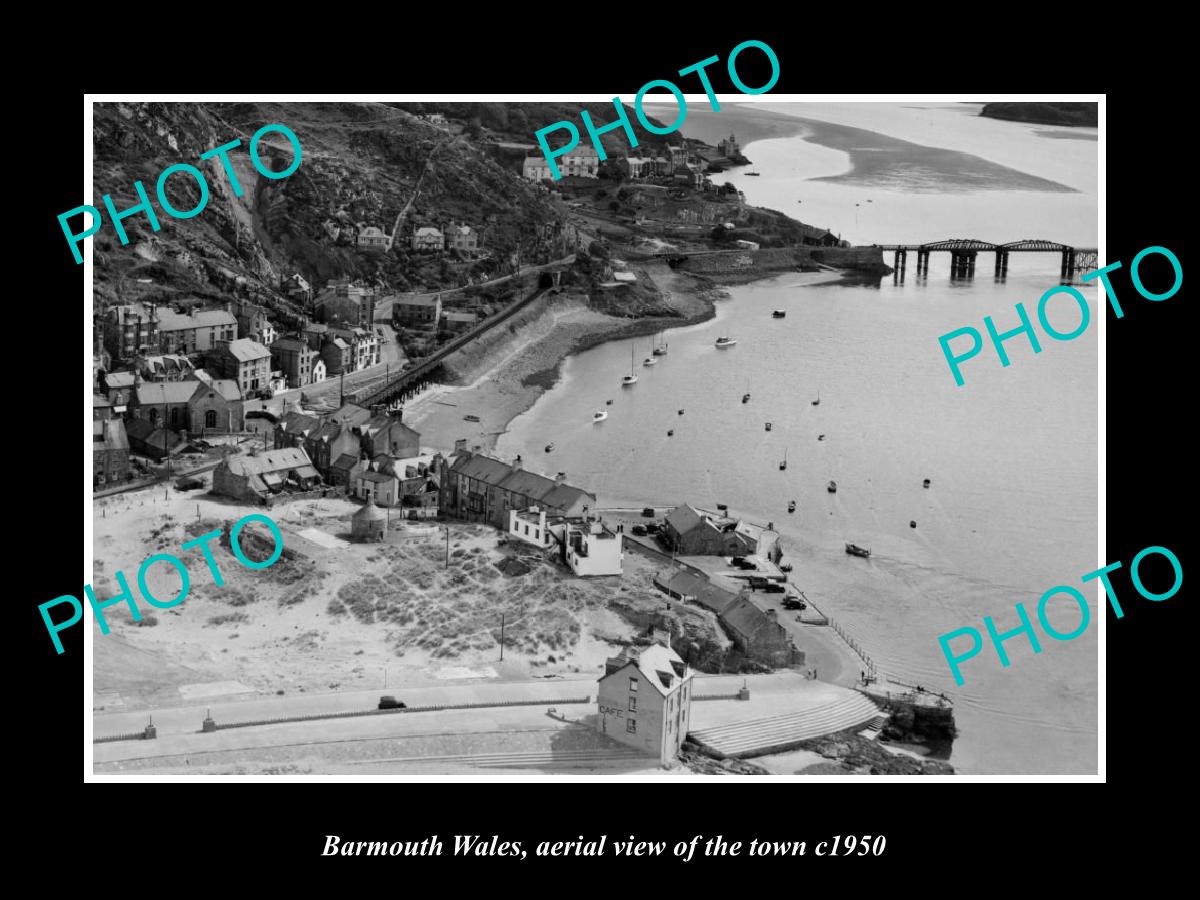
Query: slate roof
x=158 y=393
x=268 y=461
x=659 y=666
x=246 y=350
x=169 y=320
x=745 y=618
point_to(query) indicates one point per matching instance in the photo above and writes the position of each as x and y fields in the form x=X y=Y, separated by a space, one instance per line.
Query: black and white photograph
x=474 y=439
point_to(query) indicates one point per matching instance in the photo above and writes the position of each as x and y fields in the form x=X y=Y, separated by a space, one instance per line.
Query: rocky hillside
x=362 y=164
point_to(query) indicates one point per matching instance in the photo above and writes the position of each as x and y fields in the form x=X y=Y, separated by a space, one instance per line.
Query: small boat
x=817 y=402
x=471 y=418
x=779 y=313
x=721 y=507
x=631 y=378
x=831 y=487
x=600 y=416
x=726 y=341
x=745 y=398
x=752 y=174
x=660 y=347
x=792 y=506
x=608 y=403
x=820 y=437
x=783 y=462
x=670 y=432
x=925 y=483
x=550 y=446
x=649 y=361
x=912 y=523
x=768 y=426
x=681 y=412
x=855 y=550
x=785 y=567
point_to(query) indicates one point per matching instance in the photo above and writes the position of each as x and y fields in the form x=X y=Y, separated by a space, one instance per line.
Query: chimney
x=517 y=463
x=560 y=478
x=460 y=446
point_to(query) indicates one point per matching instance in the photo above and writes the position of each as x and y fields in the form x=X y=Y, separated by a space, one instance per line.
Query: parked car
x=639 y=530
x=653 y=528
x=794 y=603
x=742 y=563
x=387 y=701
x=774 y=587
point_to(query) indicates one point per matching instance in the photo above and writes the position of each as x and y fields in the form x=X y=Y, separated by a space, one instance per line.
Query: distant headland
x=1085 y=114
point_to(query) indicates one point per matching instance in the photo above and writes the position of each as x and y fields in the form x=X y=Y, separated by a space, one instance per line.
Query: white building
x=645 y=700
x=581 y=162
x=428 y=238
x=318 y=371
x=530 y=527
x=592 y=548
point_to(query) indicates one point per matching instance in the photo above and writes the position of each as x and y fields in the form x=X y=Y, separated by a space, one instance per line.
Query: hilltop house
x=428 y=238
x=372 y=238
x=645 y=700
x=463 y=238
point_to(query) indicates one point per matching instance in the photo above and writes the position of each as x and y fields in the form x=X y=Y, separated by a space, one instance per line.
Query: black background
x=157 y=835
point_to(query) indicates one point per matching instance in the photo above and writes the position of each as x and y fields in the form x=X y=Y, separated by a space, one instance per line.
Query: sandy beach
x=507 y=380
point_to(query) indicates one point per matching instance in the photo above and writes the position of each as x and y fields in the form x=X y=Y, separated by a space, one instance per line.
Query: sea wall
x=491 y=347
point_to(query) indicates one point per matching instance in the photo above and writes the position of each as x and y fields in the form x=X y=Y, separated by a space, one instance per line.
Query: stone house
x=216 y=406
x=245 y=361
x=263 y=475
x=110 y=452
x=428 y=237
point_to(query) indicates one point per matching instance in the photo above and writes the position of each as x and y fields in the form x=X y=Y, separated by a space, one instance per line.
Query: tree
x=720 y=234
x=614 y=206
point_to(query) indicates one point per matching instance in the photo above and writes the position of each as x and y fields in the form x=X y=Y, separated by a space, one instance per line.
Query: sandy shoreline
x=513 y=382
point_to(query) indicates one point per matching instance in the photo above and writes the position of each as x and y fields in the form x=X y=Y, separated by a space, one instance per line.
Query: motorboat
x=832 y=487
x=820 y=437
x=752 y=174
x=649 y=361
x=550 y=446
x=779 y=313
x=600 y=416
x=471 y=418
x=726 y=341
x=670 y=432
x=792 y=506
x=855 y=550
x=745 y=398
x=681 y=412
x=768 y=426
x=925 y=483
x=721 y=507
x=912 y=523
x=608 y=403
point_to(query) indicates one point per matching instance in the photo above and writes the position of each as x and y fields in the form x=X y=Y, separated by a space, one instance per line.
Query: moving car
x=387 y=701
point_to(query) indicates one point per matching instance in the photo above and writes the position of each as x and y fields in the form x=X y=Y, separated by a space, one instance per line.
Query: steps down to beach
x=874 y=727
x=752 y=737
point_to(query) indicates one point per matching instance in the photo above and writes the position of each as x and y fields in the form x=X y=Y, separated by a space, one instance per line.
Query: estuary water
x=1011 y=455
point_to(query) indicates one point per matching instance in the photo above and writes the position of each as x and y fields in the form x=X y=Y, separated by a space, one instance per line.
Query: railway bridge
x=963 y=252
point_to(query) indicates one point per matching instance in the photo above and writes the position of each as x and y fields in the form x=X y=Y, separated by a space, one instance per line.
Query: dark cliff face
x=1084 y=114
x=361 y=165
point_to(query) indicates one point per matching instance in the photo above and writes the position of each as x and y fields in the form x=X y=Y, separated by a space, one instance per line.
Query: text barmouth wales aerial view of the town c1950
x=411 y=458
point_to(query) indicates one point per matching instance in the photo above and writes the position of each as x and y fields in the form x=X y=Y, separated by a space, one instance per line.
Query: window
x=633 y=685
x=632 y=703
x=631 y=726
x=527 y=531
